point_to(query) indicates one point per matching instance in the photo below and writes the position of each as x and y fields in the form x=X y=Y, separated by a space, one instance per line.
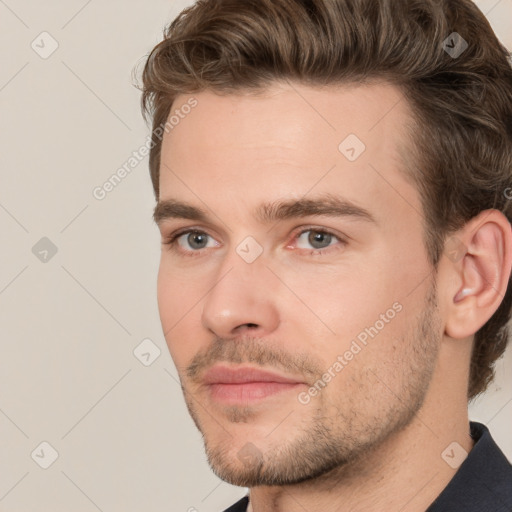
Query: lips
x=225 y=375
x=246 y=385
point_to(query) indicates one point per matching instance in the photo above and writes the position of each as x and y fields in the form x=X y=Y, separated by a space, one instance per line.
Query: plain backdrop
x=78 y=274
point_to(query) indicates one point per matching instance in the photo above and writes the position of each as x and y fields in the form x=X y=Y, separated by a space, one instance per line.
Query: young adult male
x=331 y=180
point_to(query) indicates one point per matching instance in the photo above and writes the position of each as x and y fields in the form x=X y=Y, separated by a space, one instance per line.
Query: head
x=343 y=168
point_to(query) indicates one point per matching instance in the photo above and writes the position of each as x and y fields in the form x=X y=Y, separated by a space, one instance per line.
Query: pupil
x=197 y=240
x=319 y=240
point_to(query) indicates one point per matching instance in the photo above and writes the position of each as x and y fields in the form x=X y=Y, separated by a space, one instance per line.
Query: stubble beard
x=334 y=439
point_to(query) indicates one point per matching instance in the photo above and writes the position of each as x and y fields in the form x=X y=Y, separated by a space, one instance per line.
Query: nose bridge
x=240 y=295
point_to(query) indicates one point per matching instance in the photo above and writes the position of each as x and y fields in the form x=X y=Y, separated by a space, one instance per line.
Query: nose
x=241 y=300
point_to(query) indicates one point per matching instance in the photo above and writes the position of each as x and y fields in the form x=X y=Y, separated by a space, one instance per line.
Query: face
x=293 y=245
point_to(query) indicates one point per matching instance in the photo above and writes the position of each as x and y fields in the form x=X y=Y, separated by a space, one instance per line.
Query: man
x=331 y=180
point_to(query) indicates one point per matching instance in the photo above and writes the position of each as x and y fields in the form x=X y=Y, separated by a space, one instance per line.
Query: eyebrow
x=328 y=205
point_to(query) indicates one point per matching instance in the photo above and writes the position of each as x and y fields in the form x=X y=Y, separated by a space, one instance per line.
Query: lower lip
x=249 y=391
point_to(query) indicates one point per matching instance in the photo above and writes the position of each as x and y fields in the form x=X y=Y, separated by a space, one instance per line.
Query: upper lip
x=240 y=375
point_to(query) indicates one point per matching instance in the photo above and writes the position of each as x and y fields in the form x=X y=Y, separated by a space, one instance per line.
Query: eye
x=316 y=239
x=192 y=241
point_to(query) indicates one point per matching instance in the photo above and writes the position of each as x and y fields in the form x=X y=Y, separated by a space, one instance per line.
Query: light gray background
x=69 y=326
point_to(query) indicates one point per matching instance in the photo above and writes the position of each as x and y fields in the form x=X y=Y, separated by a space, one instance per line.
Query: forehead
x=287 y=141
x=290 y=113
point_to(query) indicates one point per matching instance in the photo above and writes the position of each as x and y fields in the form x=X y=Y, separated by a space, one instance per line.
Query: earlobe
x=482 y=273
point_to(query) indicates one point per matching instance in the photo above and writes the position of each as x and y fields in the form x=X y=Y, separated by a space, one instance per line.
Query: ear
x=478 y=271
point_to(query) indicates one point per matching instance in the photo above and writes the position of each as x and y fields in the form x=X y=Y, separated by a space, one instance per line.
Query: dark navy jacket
x=483 y=482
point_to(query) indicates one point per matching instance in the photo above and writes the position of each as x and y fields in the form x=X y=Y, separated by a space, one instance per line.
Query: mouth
x=239 y=385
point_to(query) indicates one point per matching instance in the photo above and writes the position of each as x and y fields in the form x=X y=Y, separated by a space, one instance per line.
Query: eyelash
x=172 y=241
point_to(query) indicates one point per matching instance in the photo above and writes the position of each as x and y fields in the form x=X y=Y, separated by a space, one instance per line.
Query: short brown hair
x=461 y=151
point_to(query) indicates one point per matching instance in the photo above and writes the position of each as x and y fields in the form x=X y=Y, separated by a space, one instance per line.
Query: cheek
x=167 y=298
x=352 y=314
x=338 y=301
x=177 y=303
x=178 y=293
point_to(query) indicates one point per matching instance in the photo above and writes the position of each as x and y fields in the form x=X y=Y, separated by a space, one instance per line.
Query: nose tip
x=241 y=303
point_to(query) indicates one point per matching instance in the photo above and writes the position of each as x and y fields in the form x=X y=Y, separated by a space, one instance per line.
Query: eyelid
x=320 y=229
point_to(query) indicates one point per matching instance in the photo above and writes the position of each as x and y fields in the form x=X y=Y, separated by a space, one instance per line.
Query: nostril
x=246 y=327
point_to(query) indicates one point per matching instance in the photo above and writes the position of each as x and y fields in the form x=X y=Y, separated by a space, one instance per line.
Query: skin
x=372 y=438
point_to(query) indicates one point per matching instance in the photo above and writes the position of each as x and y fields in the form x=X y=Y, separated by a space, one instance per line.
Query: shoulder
x=239 y=506
x=483 y=483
